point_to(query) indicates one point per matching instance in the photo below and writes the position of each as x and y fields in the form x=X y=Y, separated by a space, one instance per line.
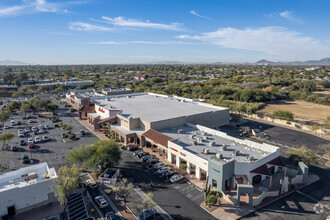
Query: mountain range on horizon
x=321 y=62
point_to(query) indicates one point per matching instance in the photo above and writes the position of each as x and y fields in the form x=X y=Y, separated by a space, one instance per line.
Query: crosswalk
x=191 y=191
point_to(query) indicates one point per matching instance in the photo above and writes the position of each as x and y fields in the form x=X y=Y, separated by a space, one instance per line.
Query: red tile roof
x=88 y=108
x=157 y=137
x=107 y=119
x=263 y=170
x=277 y=162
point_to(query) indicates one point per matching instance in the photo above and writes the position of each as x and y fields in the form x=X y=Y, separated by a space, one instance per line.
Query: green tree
x=52 y=107
x=124 y=190
x=303 y=154
x=147 y=203
x=6 y=137
x=17 y=82
x=103 y=153
x=25 y=106
x=4 y=115
x=13 y=105
x=67 y=181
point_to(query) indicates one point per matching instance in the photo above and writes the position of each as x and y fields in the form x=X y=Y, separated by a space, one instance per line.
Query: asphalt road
x=175 y=203
x=51 y=152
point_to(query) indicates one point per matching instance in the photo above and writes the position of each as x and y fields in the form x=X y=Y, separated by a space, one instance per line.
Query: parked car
x=22 y=142
x=6 y=127
x=41 y=131
x=132 y=147
x=152 y=160
x=162 y=169
x=30 y=121
x=34 y=128
x=91 y=185
x=12 y=122
x=26 y=159
x=135 y=153
x=142 y=154
x=102 y=203
x=37 y=139
x=20 y=131
x=176 y=178
x=30 y=141
x=63 y=135
x=148 y=214
x=13 y=148
x=168 y=173
x=159 y=165
x=27 y=130
x=46 y=126
x=30 y=146
x=21 y=134
x=82 y=132
x=145 y=158
x=19 y=123
x=45 y=139
x=40 y=127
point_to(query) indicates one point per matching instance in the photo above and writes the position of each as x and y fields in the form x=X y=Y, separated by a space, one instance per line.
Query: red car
x=30 y=146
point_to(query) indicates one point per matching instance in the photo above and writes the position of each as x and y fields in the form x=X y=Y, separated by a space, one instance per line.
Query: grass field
x=301 y=109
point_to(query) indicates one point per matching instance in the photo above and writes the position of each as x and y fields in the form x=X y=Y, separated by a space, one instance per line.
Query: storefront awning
x=108 y=119
x=157 y=137
x=88 y=108
x=263 y=170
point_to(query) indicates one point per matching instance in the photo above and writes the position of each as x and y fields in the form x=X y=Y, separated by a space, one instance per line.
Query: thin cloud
x=83 y=26
x=37 y=6
x=141 y=42
x=193 y=12
x=288 y=15
x=271 y=40
x=123 y=22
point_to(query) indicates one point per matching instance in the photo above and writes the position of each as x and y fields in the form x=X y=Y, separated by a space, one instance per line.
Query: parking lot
x=52 y=151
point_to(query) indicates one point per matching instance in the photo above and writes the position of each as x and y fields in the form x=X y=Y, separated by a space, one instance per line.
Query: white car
x=27 y=129
x=37 y=139
x=162 y=169
x=21 y=134
x=102 y=203
x=40 y=127
x=46 y=126
x=34 y=129
x=176 y=178
x=41 y=131
x=159 y=165
x=12 y=122
x=45 y=138
x=6 y=127
x=30 y=141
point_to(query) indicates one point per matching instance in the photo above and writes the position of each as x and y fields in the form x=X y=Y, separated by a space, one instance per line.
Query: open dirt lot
x=300 y=109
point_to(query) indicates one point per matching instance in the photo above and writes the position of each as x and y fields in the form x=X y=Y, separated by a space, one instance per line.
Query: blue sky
x=143 y=31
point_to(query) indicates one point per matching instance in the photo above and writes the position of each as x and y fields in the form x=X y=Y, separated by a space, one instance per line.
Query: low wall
x=264 y=195
x=229 y=198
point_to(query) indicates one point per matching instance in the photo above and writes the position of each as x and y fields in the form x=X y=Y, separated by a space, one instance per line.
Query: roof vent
x=237 y=153
x=180 y=131
x=219 y=155
x=193 y=143
x=199 y=139
x=224 y=147
x=206 y=150
x=251 y=158
x=212 y=143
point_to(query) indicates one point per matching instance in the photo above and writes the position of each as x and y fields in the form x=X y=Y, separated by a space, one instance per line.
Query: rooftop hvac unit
x=108 y=99
x=180 y=131
x=29 y=176
x=204 y=138
x=224 y=147
x=200 y=140
x=206 y=150
x=219 y=155
x=128 y=96
x=251 y=158
x=193 y=143
x=212 y=143
x=192 y=136
x=237 y=153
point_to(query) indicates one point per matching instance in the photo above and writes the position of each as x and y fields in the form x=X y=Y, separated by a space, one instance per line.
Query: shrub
x=288 y=122
x=286 y=115
x=211 y=200
x=108 y=191
x=98 y=174
x=183 y=166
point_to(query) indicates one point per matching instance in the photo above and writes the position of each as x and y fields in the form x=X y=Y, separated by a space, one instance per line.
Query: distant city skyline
x=147 y=31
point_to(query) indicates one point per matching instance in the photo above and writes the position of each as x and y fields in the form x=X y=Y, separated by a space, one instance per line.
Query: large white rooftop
x=153 y=107
x=196 y=141
x=26 y=176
